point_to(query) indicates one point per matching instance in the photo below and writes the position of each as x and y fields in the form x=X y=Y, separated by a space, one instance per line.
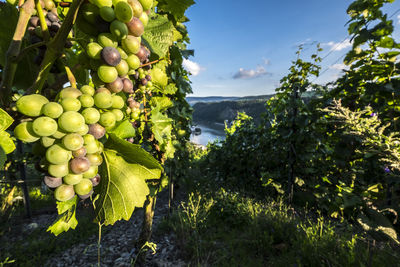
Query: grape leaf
x=66 y=217
x=5 y=120
x=124 y=130
x=162 y=102
x=176 y=8
x=123 y=184
x=161 y=126
x=6 y=143
x=158 y=35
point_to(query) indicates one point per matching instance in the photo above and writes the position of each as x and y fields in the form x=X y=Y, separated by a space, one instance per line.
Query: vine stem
x=152 y=62
x=27 y=49
x=55 y=47
x=99 y=246
x=8 y=73
x=42 y=20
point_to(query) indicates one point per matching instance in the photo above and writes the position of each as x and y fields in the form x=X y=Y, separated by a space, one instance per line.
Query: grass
x=226 y=229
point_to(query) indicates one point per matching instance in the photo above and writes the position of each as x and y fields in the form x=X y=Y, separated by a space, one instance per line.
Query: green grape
x=58 y=170
x=136 y=7
x=86 y=100
x=103 y=100
x=57 y=155
x=123 y=11
x=64 y=192
x=71 y=121
x=133 y=62
x=107 y=119
x=107 y=13
x=31 y=105
x=93 y=170
x=122 y=68
x=52 y=110
x=69 y=92
x=107 y=39
x=72 y=179
x=70 y=104
x=83 y=130
x=122 y=53
x=72 y=141
x=91 y=115
x=44 y=126
x=107 y=74
x=131 y=44
x=87 y=89
x=119 y=115
x=94 y=50
x=95 y=159
x=144 y=18
x=47 y=141
x=58 y=134
x=102 y=3
x=90 y=13
x=84 y=187
x=118 y=102
x=119 y=29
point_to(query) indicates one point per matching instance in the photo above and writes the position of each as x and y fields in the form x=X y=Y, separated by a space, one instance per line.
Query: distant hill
x=219 y=109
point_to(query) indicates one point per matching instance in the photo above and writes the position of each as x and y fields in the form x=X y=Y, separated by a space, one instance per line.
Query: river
x=209 y=133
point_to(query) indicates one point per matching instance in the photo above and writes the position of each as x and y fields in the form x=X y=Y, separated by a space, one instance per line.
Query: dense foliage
x=336 y=151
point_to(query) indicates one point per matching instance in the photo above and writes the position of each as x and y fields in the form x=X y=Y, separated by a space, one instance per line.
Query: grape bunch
x=69 y=131
x=53 y=24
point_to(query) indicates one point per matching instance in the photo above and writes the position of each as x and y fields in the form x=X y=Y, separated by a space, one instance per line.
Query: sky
x=244 y=48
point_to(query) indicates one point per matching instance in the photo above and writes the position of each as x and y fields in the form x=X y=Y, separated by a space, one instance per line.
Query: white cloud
x=338 y=46
x=249 y=74
x=339 y=66
x=266 y=61
x=398 y=19
x=192 y=67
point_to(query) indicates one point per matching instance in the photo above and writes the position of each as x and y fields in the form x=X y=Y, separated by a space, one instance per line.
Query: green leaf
x=6 y=143
x=158 y=35
x=176 y=8
x=163 y=103
x=5 y=120
x=132 y=153
x=8 y=22
x=170 y=89
x=124 y=130
x=123 y=187
x=66 y=217
x=161 y=126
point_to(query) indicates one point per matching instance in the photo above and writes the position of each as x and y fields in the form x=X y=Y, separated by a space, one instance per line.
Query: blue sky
x=245 y=47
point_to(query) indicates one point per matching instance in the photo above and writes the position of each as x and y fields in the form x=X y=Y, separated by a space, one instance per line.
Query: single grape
x=111 y=56
x=94 y=50
x=133 y=62
x=136 y=8
x=97 y=131
x=52 y=182
x=128 y=86
x=123 y=11
x=107 y=39
x=52 y=110
x=142 y=54
x=79 y=165
x=31 y=105
x=116 y=86
x=93 y=170
x=69 y=92
x=131 y=44
x=86 y=100
x=72 y=178
x=107 y=13
x=79 y=153
x=58 y=134
x=119 y=115
x=58 y=170
x=84 y=187
x=119 y=29
x=71 y=121
x=95 y=159
x=83 y=130
x=103 y=100
x=135 y=27
x=96 y=180
x=107 y=74
x=44 y=126
x=144 y=18
x=64 y=192
x=122 y=67
x=118 y=102
x=91 y=115
x=107 y=119
x=103 y=90
x=122 y=52
x=72 y=141
x=58 y=155
x=70 y=104
x=87 y=89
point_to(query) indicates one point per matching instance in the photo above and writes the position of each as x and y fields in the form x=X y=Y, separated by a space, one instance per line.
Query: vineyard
x=97 y=167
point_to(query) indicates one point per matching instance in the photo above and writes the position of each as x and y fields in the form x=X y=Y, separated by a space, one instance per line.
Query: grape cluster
x=68 y=131
x=53 y=24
